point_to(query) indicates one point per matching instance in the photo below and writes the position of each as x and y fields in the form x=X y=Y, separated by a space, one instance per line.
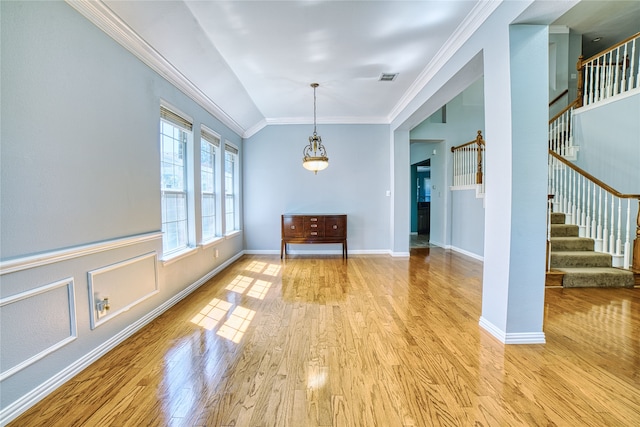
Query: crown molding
x=309 y=121
x=104 y=18
x=480 y=12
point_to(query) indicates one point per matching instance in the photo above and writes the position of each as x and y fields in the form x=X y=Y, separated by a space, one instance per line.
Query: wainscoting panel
x=52 y=324
x=125 y=284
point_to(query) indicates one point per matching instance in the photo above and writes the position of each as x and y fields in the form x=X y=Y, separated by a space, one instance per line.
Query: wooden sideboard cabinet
x=308 y=228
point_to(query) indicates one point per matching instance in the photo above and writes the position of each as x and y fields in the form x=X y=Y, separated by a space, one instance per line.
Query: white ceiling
x=256 y=59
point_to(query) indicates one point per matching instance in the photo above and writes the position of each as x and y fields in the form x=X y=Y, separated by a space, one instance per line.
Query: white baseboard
x=12 y=411
x=320 y=252
x=467 y=253
x=512 y=338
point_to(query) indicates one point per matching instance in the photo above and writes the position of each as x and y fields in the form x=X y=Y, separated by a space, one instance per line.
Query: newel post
x=636 y=243
x=580 y=83
x=480 y=143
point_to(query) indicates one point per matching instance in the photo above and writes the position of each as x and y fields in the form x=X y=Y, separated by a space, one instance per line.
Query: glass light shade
x=315 y=164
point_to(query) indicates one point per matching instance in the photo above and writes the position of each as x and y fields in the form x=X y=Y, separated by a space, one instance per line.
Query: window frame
x=214 y=141
x=184 y=234
x=232 y=190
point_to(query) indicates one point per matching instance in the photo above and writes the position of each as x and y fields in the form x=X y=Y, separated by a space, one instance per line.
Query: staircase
x=574 y=263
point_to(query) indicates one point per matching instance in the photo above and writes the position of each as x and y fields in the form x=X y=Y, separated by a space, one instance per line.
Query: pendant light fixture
x=315 y=156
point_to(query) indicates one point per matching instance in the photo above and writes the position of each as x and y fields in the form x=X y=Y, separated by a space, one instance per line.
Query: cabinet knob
x=314 y=225
x=335 y=227
x=314 y=233
x=313 y=219
x=293 y=227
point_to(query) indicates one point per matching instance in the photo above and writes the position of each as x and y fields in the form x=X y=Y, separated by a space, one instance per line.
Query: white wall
x=80 y=179
x=355 y=183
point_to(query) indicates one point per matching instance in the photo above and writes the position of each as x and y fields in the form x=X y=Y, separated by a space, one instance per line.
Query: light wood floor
x=370 y=341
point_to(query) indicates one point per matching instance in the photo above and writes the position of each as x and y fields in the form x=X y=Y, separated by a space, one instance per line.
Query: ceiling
x=256 y=59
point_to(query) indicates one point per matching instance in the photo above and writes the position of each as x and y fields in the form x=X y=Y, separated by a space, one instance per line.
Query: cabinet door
x=335 y=226
x=292 y=226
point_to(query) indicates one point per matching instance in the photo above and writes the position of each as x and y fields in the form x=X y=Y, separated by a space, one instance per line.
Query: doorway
x=421 y=203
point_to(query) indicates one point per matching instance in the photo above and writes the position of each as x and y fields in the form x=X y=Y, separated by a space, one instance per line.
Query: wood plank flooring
x=368 y=341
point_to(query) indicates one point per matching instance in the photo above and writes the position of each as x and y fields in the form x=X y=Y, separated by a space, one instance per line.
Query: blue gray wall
x=80 y=197
x=355 y=183
x=611 y=152
x=457 y=217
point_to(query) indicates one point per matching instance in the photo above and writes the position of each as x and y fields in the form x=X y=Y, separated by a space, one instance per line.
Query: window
x=175 y=133
x=231 y=188
x=209 y=146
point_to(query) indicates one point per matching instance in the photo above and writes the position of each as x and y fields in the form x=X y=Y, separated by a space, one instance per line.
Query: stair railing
x=601 y=212
x=468 y=164
x=610 y=73
x=561 y=133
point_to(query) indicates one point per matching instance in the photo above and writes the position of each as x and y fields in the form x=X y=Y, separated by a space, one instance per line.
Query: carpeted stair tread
x=561 y=244
x=558 y=218
x=579 y=259
x=564 y=230
x=596 y=277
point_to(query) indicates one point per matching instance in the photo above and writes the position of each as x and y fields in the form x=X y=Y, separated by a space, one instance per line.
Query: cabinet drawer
x=314 y=226
x=292 y=226
x=335 y=226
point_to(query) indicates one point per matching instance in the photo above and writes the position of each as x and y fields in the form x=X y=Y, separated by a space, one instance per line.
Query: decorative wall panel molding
x=52 y=324
x=24 y=263
x=123 y=284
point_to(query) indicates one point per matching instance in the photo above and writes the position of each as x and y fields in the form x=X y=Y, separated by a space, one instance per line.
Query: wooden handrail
x=602 y=52
x=557 y=98
x=635 y=254
x=478 y=141
x=580 y=65
x=564 y=110
x=594 y=179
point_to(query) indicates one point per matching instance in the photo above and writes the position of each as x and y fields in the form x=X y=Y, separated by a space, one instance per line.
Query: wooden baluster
x=590 y=89
x=627 y=241
x=598 y=232
x=612 y=230
x=562 y=149
x=605 y=231
x=623 y=69
x=470 y=170
x=633 y=78
x=610 y=72
x=565 y=207
x=619 y=240
x=587 y=218
x=574 y=210
x=636 y=242
x=597 y=96
x=570 y=129
x=594 y=223
x=581 y=208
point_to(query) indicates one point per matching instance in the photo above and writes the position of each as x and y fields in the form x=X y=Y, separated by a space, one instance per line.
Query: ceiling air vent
x=384 y=77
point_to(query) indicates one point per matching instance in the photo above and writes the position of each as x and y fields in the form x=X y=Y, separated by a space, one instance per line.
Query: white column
x=516 y=111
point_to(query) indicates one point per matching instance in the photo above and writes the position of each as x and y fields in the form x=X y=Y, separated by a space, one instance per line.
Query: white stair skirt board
x=512 y=338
